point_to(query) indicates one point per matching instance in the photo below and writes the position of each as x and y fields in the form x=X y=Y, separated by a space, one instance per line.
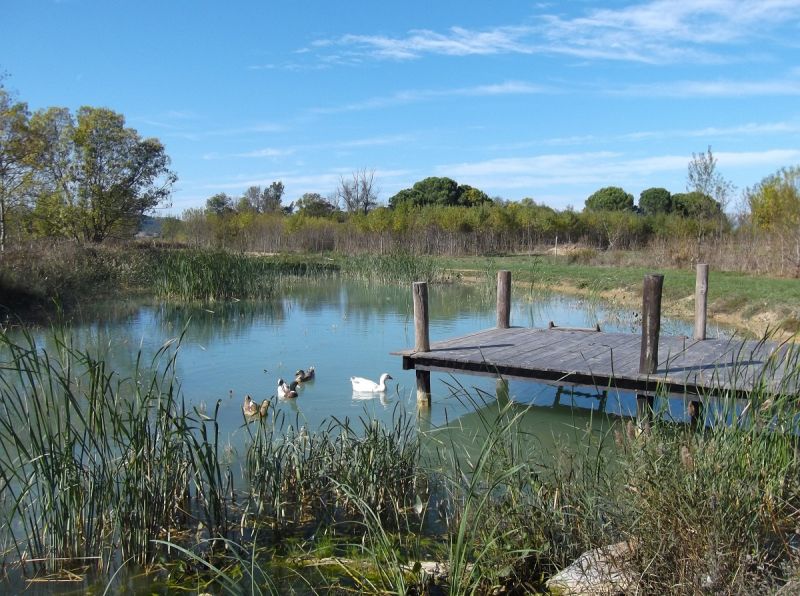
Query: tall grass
x=391 y=268
x=94 y=466
x=188 y=275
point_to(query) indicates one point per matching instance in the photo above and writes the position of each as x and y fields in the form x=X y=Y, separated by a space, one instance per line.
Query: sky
x=547 y=100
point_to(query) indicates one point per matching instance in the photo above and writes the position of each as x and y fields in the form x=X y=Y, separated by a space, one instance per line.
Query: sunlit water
x=345 y=329
x=226 y=351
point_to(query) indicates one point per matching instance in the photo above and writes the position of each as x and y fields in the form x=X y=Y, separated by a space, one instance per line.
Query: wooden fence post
x=700 y=301
x=503 y=299
x=422 y=339
x=648 y=357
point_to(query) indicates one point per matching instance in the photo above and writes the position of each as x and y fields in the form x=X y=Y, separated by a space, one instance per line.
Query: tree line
x=89 y=177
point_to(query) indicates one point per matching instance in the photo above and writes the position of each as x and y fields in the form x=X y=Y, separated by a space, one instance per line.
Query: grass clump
x=392 y=268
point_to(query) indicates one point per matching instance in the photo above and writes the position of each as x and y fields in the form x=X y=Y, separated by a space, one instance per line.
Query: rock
x=598 y=571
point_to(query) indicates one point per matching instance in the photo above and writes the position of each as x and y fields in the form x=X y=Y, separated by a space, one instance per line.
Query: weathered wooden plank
x=609 y=359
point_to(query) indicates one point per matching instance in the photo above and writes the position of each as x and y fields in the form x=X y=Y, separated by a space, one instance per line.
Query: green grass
x=728 y=292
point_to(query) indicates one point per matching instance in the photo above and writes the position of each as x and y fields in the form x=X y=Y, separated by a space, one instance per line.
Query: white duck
x=362 y=385
x=285 y=390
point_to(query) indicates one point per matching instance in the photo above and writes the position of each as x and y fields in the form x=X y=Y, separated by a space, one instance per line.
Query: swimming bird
x=285 y=390
x=366 y=386
x=250 y=408
x=302 y=375
x=264 y=408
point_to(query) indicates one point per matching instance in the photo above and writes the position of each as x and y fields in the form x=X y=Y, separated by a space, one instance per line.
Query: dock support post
x=422 y=339
x=700 y=301
x=503 y=299
x=648 y=357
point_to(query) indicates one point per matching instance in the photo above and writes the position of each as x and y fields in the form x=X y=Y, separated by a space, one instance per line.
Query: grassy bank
x=44 y=278
x=750 y=303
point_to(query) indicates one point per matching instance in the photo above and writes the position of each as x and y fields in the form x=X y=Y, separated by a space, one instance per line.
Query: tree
x=441 y=191
x=271 y=198
x=314 y=205
x=219 y=204
x=655 y=200
x=775 y=208
x=358 y=193
x=696 y=205
x=610 y=198
x=16 y=158
x=703 y=177
x=99 y=177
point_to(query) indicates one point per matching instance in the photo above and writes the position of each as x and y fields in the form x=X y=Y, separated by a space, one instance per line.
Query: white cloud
x=720 y=88
x=419 y=95
x=659 y=31
x=602 y=168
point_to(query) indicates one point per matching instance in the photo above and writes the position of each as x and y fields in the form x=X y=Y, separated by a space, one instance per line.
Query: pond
x=342 y=329
x=345 y=328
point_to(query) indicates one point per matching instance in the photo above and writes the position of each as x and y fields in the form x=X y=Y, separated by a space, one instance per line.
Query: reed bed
x=396 y=267
x=190 y=275
x=296 y=477
x=94 y=466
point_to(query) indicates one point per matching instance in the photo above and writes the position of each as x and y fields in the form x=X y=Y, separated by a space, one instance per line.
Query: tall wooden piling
x=422 y=339
x=503 y=299
x=648 y=357
x=651 y=323
x=700 y=301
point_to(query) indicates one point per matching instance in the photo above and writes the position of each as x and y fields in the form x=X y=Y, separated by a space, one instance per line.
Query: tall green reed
x=94 y=465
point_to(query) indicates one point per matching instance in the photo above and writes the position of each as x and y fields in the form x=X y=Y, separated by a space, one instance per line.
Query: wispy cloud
x=420 y=95
x=659 y=31
x=706 y=133
x=720 y=88
x=596 y=168
x=272 y=152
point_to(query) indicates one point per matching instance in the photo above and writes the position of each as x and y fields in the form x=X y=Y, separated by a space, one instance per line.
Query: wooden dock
x=611 y=360
x=645 y=363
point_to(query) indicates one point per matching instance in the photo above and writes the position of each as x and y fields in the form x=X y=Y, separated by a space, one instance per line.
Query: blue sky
x=548 y=100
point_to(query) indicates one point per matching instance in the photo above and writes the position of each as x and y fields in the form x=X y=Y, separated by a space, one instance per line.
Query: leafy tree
x=655 y=200
x=16 y=158
x=219 y=204
x=314 y=205
x=440 y=191
x=469 y=197
x=775 y=207
x=610 y=198
x=696 y=205
x=98 y=177
x=271 y=198
x=702 y=177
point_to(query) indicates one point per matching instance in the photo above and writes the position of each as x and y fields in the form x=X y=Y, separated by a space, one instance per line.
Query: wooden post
x=651 y=323
x=423 y=388
x=648 y=357
x=422 y=339
x=700 y=301
x=503 y=299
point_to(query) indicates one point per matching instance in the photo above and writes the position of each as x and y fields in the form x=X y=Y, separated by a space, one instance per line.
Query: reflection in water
x=228 y=350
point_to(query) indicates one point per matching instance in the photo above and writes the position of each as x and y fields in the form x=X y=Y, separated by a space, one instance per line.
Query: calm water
x=342 y=329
